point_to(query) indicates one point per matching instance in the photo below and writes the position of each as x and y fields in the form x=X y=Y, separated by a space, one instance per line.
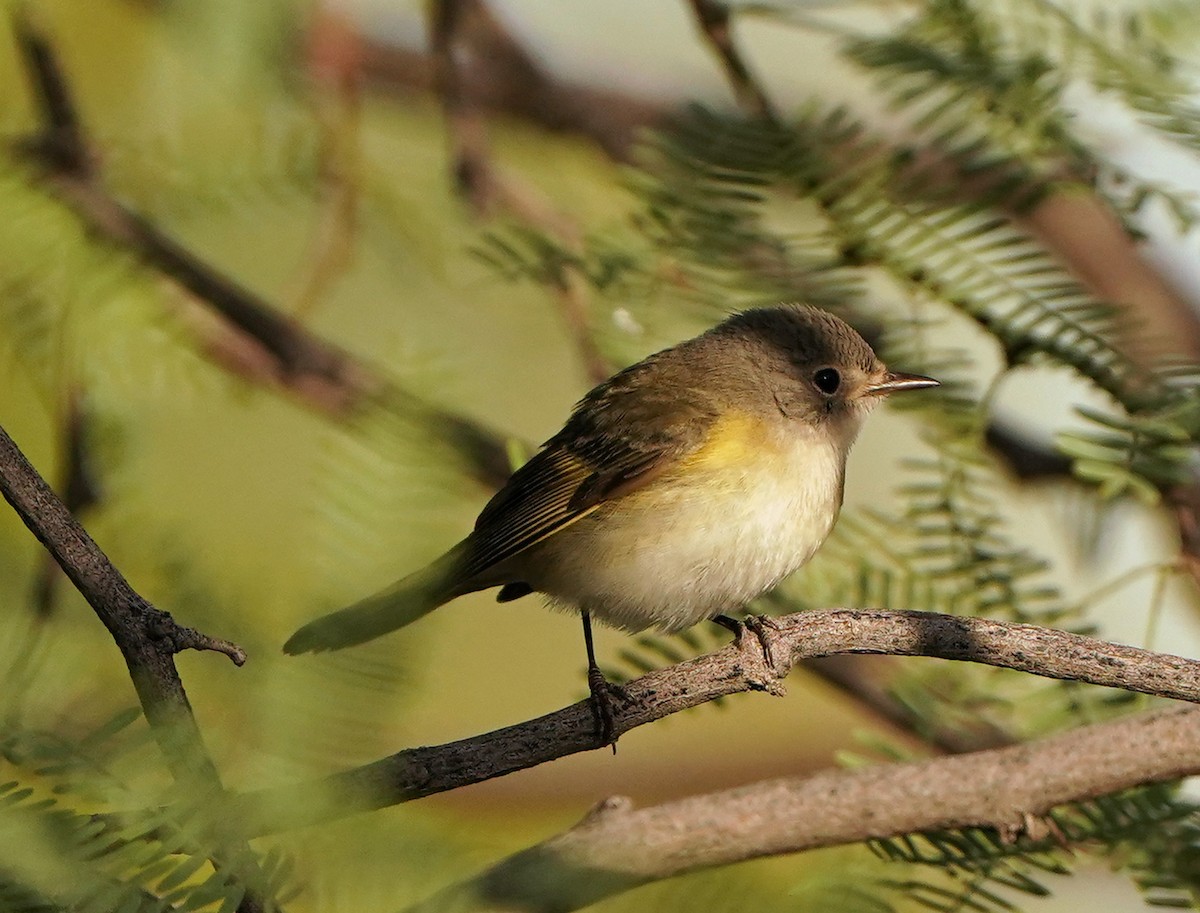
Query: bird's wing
x=623 y=435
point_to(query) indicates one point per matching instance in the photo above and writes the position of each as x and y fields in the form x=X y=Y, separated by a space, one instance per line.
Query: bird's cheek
x=797 y=408
x=862 y=405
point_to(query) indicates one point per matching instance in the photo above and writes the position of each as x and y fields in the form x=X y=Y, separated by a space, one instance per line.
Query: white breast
x=671 y=555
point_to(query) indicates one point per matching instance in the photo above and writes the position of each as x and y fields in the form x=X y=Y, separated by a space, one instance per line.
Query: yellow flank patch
x=735 y=439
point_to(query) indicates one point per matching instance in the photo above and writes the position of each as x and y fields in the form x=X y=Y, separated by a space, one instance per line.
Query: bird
x=677 y=491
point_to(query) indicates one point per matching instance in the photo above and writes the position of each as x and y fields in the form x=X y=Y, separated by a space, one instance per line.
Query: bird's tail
x=410 y=598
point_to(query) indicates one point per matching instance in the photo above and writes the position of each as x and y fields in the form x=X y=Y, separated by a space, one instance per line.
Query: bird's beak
x=894 y=381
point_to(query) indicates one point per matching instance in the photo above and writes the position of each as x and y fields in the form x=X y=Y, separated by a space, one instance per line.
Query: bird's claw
x=603 y=691
x=763 y=627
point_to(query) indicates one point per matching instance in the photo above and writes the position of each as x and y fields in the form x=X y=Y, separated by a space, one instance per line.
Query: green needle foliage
x=976 y=869
x=59 y=859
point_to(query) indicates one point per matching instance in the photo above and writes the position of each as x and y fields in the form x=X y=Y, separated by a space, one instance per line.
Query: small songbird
x=678 y=490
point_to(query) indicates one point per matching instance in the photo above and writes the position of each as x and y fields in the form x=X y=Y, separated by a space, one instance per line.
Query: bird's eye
x=827 y=381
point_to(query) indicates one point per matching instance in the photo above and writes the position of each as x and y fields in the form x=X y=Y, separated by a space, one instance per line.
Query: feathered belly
x=687 y=548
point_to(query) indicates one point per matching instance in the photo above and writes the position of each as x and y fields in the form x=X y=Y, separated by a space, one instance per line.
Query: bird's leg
x=732 y=625
x=601 y=688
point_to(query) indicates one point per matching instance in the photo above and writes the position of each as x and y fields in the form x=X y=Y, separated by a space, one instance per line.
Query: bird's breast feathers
x=741 y=512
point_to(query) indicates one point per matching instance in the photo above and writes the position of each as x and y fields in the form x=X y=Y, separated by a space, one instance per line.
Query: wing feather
x=534 y=504
x=621 y=436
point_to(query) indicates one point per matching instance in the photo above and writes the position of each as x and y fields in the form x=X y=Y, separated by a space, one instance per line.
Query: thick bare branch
x=147 y=637
x=616 y=847
x=419 y=772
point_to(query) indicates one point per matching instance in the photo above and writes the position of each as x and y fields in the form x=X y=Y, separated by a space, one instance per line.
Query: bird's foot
x=603 y=692
x=763 y=627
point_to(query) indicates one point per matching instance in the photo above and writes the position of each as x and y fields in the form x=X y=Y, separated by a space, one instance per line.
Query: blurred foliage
x=244 y=515
x=980 y=870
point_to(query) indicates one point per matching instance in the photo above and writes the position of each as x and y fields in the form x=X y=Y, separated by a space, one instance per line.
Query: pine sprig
x=84 y=828
x=985 y=84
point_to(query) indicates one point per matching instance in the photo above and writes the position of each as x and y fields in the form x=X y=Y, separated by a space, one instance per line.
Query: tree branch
x=250 y=338
x=61 y=140
x=418 y=772
x=616 y=848
x=714 y=20
x=147 y=637
x=503 y=77
x=482 y=184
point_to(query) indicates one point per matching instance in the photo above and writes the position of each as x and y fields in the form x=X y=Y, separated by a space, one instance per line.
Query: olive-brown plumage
x=677 y=490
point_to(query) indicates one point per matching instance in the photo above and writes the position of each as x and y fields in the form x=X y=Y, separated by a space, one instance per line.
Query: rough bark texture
x=418 y=772
x=148 y=638
x=616 y=847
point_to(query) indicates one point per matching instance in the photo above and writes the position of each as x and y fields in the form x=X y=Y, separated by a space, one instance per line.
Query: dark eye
x=827 y=381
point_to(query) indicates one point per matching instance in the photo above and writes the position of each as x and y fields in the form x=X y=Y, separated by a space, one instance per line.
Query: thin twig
x=714 y=20
x=617 y=848
x=419 y=772
x=485 y=187
x=61 y=140
x=503 y=77
x=470 y=160
x=334 y=65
